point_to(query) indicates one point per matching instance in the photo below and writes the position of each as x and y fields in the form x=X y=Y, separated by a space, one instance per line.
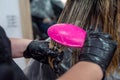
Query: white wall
x=10 y=21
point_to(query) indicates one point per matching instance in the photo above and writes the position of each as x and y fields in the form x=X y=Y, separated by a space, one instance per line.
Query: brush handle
x=67 y=35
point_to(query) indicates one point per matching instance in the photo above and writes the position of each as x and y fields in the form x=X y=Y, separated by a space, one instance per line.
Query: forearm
x=83 y=71
x=18 y=46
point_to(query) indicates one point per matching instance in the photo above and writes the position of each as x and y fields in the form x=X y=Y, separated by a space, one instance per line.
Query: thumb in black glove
x=98 y=48
x=40 y=51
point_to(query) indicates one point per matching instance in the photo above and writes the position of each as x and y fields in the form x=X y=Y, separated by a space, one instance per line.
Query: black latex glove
x=40 y=51
x=57 y=64
x=98 y=48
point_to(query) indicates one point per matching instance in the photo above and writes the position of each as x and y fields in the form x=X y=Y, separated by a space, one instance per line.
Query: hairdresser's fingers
x=97 y=34
x=93 y=38
x=57 y=67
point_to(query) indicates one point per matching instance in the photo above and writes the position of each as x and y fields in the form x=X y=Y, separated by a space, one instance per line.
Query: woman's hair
x=95 y=15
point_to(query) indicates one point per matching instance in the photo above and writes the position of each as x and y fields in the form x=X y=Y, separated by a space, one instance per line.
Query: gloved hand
x=98 y=48
x=57 y=68
x=40 y=51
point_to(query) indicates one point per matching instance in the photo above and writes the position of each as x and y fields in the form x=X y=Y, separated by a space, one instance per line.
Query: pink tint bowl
x=67 y=35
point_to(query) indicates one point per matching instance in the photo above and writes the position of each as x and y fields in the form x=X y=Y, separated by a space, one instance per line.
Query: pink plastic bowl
x=67 y=35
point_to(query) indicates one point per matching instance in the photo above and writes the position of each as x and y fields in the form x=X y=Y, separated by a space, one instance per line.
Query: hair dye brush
x=65 y=35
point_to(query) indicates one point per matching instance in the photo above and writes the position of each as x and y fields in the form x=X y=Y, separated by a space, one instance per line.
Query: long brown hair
x=96 y=15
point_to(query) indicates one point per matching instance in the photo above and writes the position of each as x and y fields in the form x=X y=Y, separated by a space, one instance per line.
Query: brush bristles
x=57 y=46
x=60 y=48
